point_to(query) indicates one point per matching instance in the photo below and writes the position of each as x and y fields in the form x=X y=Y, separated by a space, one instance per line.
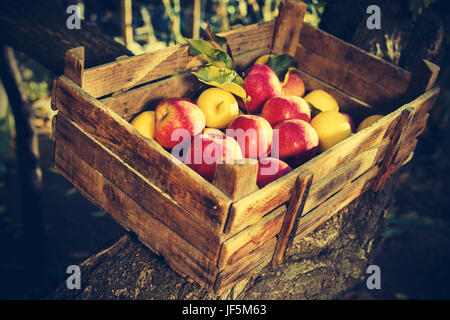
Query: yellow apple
x=219 y=107
x=331 y=127
x=322 y=100
x=367 y=122
x=145 y=124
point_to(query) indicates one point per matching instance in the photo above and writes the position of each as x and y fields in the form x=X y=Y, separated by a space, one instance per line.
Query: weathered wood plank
x=356 y=108
x=355 y=61
x=240 y=245
x=326 y=210
x=295 y=210
x=178 y=253
x=254 y=261
x=129 y=103
x=183 y=185
x=251 y=208
x=395 y=142
x=127 y=73
x=237 y=180
x=138 y=188
x=288 y=26
x=74 y=65
x=373 y=93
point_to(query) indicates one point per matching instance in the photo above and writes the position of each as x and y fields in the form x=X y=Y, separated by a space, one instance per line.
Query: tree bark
x=322 y=265
x=38 y=29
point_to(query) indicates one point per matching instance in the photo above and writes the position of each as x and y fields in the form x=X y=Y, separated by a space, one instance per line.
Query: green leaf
x=211 y=54
x=281 y=64
x=222 y=78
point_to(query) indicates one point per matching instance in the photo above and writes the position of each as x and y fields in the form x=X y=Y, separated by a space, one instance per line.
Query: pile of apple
x=275 y=128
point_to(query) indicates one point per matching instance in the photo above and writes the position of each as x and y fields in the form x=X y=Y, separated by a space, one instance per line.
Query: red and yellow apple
x=297 y=141
x=253 y=134
x=260 y=84
x=271 y=169
x=176 y=120
x=350 y=120
x=208 y=150
x=293 y=85
x=277 y=109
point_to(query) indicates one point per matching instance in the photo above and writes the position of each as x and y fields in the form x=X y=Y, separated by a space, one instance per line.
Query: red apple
x=270 y=169
x=297 y=141
x=260 y=84
x=293 y=85
x=350 y=121
x=254 y=135
x=206 y=151
x=277 y=109
x=176 y=120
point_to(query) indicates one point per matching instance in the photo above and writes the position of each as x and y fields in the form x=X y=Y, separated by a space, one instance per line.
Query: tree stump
x=322 y=265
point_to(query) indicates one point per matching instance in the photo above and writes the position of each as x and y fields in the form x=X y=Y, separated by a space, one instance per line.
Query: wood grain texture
x=288 y=27
x=357 y=108
x=296 y=204
x=74 y=65
x=253 y=262
x=138 y=188
x=179 y=253
x=356 y=66
x=240 y=245
x=396 y=140
x=251 y=208
x=237 y=180
x=173 y=178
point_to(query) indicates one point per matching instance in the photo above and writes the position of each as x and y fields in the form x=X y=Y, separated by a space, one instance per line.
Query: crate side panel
x=172 y=177
x=238 y=246
x=139 y=189
x=177 y=251
x=349 y=68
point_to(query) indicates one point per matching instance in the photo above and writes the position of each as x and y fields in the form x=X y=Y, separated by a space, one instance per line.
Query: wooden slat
x=179 y=254
x=183 y=185
x=397 y=137
x=242 y=269
x=288 y=26
x=294 y=211
x=358 y=109
x=237 y=180
x=373 y=93
x=129 y=103
x=326 y=210
x=423 y=79
x=74 y=65
x=127 y=73
x=240 y=245
x=354 y=63
x=135 y=186
x=251 y=208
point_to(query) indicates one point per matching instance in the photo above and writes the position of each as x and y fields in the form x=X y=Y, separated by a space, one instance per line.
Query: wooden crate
x=219 y=233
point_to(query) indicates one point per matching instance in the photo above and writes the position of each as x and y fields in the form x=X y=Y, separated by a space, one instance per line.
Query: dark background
x=415 y=258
